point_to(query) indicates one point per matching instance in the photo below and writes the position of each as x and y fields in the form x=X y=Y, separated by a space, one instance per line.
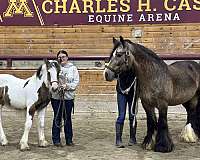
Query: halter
x=53 y=82
x=125 y=61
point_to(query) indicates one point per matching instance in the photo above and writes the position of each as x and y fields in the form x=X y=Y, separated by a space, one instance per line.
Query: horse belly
x=18 y=103
x=16 y=97
x=182 y=96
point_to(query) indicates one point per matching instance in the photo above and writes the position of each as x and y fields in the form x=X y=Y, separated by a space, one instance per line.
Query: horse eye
x=118 y=55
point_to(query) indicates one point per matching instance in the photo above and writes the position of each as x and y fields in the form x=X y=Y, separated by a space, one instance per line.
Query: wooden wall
x=87 y=40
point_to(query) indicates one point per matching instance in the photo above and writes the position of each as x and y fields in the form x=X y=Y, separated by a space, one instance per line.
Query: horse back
x=185 y=69
x=185 y=77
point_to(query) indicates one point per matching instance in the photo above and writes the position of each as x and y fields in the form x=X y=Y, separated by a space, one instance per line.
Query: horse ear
x=115 y=41
x=122 y=40
x=47 y=63
x=38 y=73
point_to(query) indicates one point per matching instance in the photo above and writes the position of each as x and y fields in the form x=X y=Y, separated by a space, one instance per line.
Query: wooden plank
x=56 y=41
x=57 y=46
x=48 y=52
x=88 y=29
x=63 y=36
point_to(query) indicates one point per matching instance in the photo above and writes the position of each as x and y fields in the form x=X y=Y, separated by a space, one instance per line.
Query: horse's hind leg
x=148 y=142
x=41 y=116
x=163 y=140
x=192 y=126
x=3 y=138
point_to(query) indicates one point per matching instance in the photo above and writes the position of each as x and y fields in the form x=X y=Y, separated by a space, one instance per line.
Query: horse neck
x=37 y=82
x=146 y=63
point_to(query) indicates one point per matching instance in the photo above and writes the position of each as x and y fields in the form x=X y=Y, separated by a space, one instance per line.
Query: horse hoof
x=4 y=142
x=148 y=146
x=24 y=147
x=164 y=149
x=148 y=143
x=43 y=143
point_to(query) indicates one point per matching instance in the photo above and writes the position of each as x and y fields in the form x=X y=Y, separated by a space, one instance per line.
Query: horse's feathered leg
x=41 y=116
x=3 y=138
x=163 y=140
x=24 y=140
x=148 y=142
x=192 y=126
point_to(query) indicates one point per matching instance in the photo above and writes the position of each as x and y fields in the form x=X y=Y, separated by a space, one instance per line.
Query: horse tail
x=198 y=115
x=3 y=92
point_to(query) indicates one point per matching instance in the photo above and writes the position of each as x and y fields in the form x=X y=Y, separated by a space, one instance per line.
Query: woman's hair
x=63 y=52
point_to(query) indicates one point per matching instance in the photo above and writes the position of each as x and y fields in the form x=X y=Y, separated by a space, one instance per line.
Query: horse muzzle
x=109 y=75
x=54 y=86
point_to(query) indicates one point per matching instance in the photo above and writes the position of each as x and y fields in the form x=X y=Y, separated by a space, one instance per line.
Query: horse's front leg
x=3 y=139
x=163 y=140
x=148 y=142
x=24 y=140
x=41 y=116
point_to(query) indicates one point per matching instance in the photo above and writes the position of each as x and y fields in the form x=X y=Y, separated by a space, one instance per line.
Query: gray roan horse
x=160 y=86
x=31 y=94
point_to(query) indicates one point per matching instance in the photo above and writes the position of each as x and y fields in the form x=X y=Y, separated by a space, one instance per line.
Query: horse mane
x=141 y=49
x=57 y=67
x=114 y=48
x=26 y=83
x=38 y=73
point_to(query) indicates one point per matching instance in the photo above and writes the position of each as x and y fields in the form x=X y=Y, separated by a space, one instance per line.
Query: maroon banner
x=76 y=12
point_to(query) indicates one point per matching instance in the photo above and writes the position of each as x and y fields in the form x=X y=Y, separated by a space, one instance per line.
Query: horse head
x=53 y=69
x=120 y=59
x=49 y=71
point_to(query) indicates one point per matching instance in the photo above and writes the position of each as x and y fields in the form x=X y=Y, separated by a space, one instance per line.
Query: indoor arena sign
x=80 y=12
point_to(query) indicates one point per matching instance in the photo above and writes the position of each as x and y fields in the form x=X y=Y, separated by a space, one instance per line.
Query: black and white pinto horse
x=31 y=94
x=160 y=86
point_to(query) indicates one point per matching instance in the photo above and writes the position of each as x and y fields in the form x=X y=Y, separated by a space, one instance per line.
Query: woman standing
x=126 y=95
x=68 y=81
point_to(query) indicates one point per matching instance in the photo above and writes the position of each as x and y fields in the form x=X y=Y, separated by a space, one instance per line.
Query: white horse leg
x=24 y=139
x=41 y=116
x=188 y=134
x=3 y=139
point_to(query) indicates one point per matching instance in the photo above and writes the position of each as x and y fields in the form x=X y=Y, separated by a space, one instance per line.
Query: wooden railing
x=9 y=59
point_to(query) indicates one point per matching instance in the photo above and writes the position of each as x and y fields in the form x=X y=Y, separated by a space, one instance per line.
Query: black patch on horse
x=26 y=83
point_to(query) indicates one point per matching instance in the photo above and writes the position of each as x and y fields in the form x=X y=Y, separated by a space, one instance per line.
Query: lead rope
x=127 y=89
x=61 y=106
x=134 y=101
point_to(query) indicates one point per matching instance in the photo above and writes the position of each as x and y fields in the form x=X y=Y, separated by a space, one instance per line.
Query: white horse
x=31 y=94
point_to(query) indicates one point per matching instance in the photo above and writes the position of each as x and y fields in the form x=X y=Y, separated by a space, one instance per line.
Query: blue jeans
x=69 y=104
x=122 y=101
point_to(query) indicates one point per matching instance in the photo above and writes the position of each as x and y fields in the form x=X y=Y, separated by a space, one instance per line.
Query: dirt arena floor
x=94 y=135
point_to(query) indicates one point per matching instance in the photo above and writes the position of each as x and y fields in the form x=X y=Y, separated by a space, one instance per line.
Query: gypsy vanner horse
x=31 y=94
x=160 y=86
